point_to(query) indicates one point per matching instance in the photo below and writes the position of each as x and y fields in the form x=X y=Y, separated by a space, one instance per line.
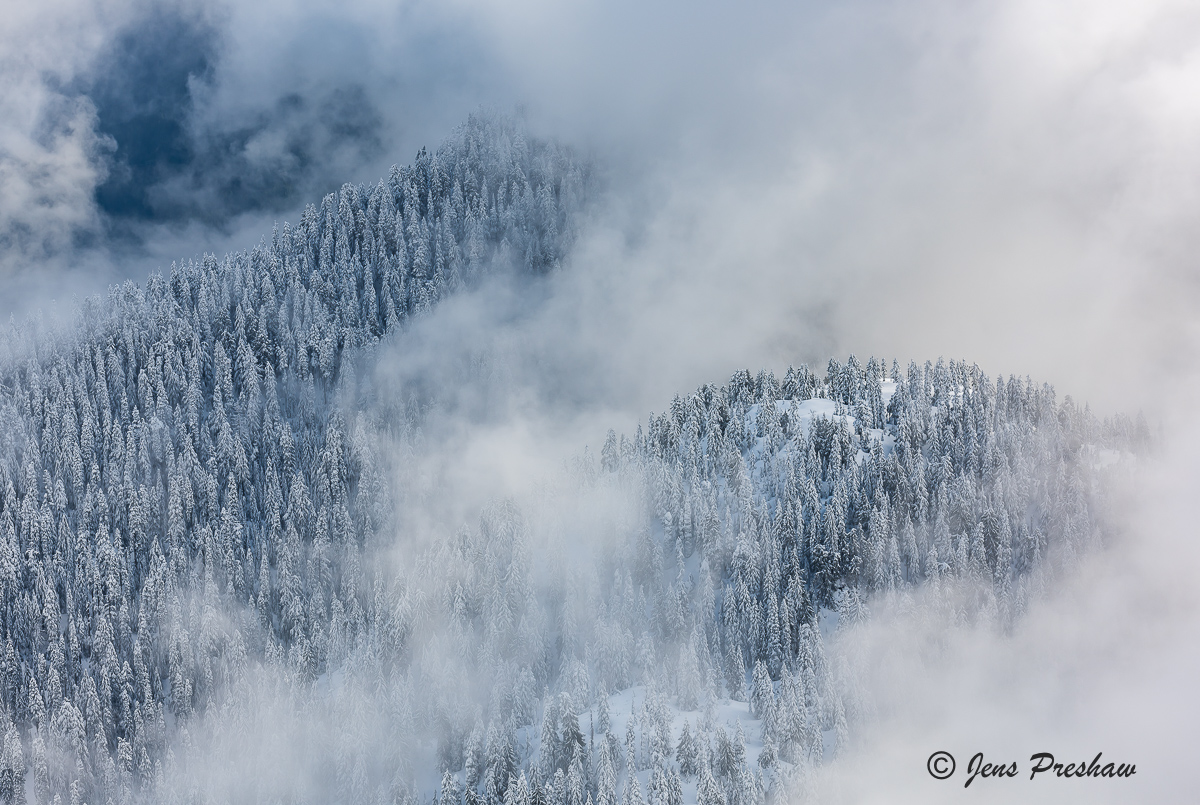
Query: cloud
x=1008 y=183
x=138 y=133
x=1100 y=662
x=978 y=182
x=51 y=156
x=865 y=175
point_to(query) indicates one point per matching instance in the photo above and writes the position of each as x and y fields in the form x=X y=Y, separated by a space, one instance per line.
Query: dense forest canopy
x=198 y=498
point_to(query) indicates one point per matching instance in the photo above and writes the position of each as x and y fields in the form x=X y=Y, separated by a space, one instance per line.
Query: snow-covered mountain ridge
x=198 y=504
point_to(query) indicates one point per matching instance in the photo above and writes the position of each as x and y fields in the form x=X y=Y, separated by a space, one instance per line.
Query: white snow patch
x=802 y=412
x=886 y=389
x=725 y=713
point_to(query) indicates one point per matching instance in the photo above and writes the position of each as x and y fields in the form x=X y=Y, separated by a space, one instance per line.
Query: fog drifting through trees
x=218 y=584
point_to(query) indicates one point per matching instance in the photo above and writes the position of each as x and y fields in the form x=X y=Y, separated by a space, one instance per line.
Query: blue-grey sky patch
x=172 y=161
x=142 y=89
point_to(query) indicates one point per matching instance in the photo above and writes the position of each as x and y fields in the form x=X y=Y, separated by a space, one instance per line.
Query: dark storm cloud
x=142 y=92
x=308 y=129
x=174 y=162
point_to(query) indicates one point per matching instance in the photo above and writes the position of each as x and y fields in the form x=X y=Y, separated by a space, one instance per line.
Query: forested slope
x=183 y=444
x=196 y=495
